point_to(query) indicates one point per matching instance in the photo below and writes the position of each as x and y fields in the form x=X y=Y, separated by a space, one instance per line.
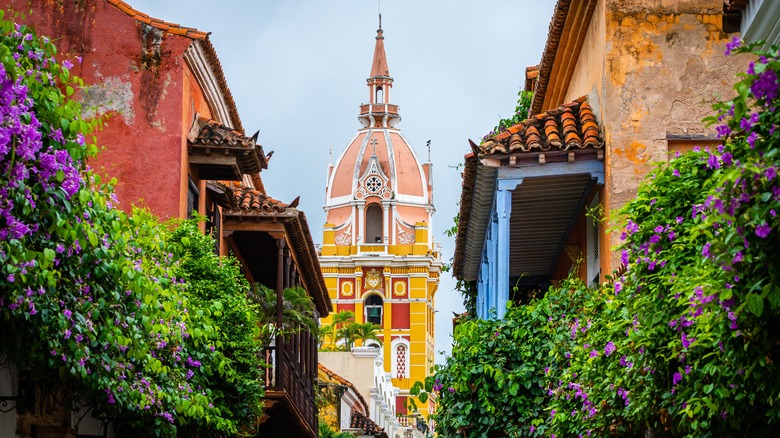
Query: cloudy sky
x=297 y=70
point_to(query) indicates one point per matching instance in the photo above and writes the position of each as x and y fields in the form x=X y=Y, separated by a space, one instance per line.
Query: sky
x=297 y=70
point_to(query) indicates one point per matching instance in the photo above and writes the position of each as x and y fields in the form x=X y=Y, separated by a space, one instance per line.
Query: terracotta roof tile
x=172 y=28
x=212 y=134
x=241 y=197
x=360 y=421
x=194 y=34
x=572 y=125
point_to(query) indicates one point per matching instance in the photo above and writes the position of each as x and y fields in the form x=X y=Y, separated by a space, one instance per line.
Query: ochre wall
x=650 y=69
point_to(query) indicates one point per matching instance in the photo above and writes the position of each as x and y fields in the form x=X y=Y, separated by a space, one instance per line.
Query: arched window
x=373 y=309
x=374 y=224
x=400 y=358
x=380 y=95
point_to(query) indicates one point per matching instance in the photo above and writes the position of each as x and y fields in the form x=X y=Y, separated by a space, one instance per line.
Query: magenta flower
x=677 y=378
x=609 y=348
x=763 y=230
x=732 y=45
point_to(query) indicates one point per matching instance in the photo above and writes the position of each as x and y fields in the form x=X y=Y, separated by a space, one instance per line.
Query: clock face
x=373 y=184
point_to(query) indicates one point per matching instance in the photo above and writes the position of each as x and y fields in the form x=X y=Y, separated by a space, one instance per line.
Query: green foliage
x=343 y=328
x=521 y=113
x=684 y=341
x=327 y=432
x=297 y=312
x=128 y=316
x=218 y=300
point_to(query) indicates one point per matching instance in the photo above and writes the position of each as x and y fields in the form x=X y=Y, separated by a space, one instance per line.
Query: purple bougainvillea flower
x=763 y=230
x=677 y=378
x=609 y=348
x=732 y=45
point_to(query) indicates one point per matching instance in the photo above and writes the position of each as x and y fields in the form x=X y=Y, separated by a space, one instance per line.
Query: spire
x=379 y=112
x=379 y=66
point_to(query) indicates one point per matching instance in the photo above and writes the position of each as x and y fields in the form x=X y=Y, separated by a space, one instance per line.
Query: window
x=373 y=309
x=592 y=230
x=193 y=194
x=374 y=224
x=400 y=361
x=380 y=95
x=400 y=358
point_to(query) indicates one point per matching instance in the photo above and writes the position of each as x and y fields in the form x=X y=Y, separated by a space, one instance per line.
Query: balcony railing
x=292 y=368
x=378 y=108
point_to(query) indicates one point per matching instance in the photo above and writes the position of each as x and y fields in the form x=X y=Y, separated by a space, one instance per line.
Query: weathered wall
x=134 y=74
x=664 y=68
x=588 y=73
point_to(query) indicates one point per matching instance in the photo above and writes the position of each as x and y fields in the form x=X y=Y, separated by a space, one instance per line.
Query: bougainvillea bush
x=93 y=301
x=683 y=342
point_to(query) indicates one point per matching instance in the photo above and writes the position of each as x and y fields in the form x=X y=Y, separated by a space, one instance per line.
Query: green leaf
x=755 y=304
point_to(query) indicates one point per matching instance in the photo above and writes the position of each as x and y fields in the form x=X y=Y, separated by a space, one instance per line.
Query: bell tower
x=378 y=255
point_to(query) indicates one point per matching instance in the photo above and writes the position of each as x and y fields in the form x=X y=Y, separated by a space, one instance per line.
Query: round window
x=373 y=184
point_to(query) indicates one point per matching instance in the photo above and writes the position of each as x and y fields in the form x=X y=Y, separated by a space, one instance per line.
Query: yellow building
x=378 y=256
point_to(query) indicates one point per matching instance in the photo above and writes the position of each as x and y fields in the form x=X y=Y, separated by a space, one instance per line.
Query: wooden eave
x=566 y=35
x=292 y=224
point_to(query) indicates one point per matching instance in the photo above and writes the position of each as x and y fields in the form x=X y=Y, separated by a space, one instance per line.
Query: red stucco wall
x=140 y=92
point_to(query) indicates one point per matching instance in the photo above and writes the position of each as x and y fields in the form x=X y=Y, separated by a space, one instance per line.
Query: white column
x=385 y=223
x=393 y=228
x=361 y=223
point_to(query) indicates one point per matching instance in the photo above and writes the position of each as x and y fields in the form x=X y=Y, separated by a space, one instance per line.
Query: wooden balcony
x=289 y=382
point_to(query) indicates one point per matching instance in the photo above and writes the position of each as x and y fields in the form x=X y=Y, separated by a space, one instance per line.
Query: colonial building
x=622 y=84
x=378 y=255
x=176 y=144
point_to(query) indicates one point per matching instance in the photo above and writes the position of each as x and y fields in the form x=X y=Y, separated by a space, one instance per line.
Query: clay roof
x=379 y=66
x=166 y=26
x=241 y=197
x=213 y=134
x=194 y=34
x=360 y=421
x=240 y=200
x=342 y=381
x=570 y=125
x=531 y=73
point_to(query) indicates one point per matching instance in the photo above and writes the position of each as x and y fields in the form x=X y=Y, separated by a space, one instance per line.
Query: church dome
x=379 y=167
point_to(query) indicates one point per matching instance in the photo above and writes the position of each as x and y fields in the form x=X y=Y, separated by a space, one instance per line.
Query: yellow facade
x=421 y=273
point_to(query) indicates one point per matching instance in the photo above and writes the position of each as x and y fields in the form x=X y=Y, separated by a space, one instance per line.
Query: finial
x=379 y=9
x=330 y=155
x=428 y=144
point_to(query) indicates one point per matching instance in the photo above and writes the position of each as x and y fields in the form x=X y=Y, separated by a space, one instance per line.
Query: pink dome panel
x=345 y=168
x=412 y=215
x=408 y=173
x=337 y=216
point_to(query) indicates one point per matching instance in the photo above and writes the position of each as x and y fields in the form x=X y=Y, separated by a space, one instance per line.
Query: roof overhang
x=550 y=163
x=568 y=28
x=202 y=60
x=249 y=217
x=221 y=153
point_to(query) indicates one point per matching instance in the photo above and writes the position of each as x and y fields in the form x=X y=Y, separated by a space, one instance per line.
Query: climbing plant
x=684 y=341
x=114 y=308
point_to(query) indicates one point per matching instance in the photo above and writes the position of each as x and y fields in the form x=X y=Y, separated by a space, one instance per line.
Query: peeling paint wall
x=651 y=68
x=134 y=75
